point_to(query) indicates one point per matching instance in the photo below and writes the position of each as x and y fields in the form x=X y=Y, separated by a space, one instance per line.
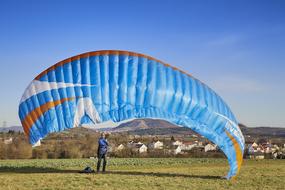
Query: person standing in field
x=102 y=151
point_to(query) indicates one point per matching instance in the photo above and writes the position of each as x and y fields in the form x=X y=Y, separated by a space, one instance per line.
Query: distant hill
x=161 y=127
x=263 y=131
x=12 y=128
x=138 y=124
x=151 y=127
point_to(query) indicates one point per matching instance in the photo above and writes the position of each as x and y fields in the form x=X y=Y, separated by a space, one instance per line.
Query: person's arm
x=98 y=149
x=106 y=142
x=98 y=152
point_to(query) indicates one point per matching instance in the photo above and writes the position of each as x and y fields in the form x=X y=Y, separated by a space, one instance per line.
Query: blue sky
x=236 y=47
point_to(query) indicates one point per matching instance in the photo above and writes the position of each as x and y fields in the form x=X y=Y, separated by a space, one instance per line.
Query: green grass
x=141 y=173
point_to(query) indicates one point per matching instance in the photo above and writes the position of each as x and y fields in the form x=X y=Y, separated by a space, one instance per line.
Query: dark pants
x=100 y=157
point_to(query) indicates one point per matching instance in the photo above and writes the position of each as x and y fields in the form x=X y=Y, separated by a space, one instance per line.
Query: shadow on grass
x=31 y=170
x=158 y=174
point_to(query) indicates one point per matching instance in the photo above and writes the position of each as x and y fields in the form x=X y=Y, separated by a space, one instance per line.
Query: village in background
x=139 y=138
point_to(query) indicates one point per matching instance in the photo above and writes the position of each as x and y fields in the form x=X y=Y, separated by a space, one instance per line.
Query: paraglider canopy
x=100 y=86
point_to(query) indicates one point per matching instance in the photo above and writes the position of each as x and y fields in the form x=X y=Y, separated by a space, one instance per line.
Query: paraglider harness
x=87 y=170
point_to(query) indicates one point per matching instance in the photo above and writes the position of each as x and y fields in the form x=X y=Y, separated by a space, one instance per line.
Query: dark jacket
x=102 y=146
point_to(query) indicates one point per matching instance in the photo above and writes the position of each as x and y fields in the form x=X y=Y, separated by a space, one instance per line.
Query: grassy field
x=140 y=173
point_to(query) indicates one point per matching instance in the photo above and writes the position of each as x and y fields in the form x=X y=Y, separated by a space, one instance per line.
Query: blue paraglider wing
x=118 y=85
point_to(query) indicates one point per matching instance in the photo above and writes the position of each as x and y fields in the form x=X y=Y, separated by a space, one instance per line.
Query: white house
x=139 y=146
x=274 y=155
x=177 y=143
x=199 y=143
x=188 y=146
x=210 y=147
x=177 y=150
x=142 y=148
x=8 y=141
x=254 y=145
x=120 y=147
x=156 y=145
